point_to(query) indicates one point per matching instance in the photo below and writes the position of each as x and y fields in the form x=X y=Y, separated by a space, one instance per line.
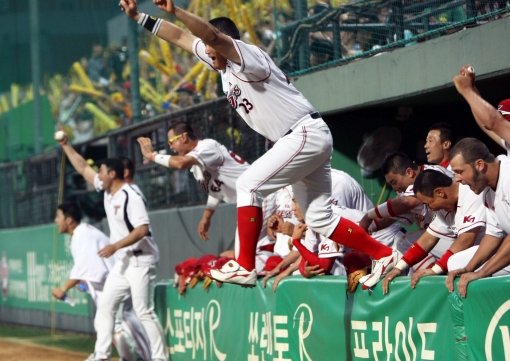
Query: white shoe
x=233 y=272
x=93 y=357
x=379 y=268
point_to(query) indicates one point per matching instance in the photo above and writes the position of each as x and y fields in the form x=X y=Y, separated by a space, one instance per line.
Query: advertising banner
x=34 y=260
x=316 y=319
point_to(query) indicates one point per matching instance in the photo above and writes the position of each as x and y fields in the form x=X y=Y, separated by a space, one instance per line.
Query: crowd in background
x=95 y=95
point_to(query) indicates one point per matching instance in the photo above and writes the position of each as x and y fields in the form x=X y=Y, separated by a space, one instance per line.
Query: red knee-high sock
x=313 y=259
x=249 y=222
x=353 y=236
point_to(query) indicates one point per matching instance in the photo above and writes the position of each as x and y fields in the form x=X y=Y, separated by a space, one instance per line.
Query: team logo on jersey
x=469 y=219
x=233 y=97
x=116 y=208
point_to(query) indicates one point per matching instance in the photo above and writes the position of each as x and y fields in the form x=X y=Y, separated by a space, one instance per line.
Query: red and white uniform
x=448 y=225
x=327 y=248
x=133 y=273
x=262 y=95
x=497 y=206
x=346 y=193
x=220 y=169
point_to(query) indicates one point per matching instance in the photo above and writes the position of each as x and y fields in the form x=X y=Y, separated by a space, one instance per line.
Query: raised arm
x=78 y=162
x=487 y=117
x=169 y=161
x=159 y=27
x=201 y=28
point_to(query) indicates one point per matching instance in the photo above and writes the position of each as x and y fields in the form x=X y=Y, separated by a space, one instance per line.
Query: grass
x=65 y=340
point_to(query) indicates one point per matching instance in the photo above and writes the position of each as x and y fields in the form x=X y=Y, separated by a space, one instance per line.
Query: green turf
x=65 y=340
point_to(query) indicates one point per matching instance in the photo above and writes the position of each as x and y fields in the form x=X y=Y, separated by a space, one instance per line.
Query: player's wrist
x=441 y=265
x=162 y=159
x=150 y=23
x=402 y=265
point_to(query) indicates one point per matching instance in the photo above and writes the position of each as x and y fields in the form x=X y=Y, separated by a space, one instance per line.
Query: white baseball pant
x=302 y=159
x=123 y=280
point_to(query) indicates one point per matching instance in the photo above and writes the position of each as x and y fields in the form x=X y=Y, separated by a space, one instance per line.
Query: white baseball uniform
x=263 y=96
x=219 y=168
x=86 y=241
x=497 y=206
x=470 y=214
x=133 y=273
x=346 y=193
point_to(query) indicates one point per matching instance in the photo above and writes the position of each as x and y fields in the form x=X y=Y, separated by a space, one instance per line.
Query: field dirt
x=18 y=350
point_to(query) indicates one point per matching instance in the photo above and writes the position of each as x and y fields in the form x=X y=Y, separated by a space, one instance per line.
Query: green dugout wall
x=317 y=320
x=304 y=320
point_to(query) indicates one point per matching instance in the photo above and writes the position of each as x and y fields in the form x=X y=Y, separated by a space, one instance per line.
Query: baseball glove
x=353 y=279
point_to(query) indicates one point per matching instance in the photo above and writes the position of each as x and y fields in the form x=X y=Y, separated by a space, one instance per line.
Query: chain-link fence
x=30 y=189
x=312 y=37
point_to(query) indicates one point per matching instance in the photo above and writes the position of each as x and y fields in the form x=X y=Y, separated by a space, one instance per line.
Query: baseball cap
x=504 y=108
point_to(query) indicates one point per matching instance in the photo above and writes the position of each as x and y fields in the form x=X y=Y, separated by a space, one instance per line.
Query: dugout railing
x=30 y=189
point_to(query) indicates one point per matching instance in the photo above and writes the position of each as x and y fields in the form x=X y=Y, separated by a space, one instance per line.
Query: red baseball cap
x=504 y=108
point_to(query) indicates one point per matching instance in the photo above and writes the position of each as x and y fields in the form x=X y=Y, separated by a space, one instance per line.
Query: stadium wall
x=34 y=260
x=317 y=319
x=394 y=75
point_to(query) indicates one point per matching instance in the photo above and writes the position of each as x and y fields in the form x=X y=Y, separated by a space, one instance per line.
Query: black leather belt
x=314 y=115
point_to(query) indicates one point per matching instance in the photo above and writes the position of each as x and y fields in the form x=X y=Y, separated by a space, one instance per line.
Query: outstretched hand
x=165 y=5
x=145 y=147
x=129 y=7
x=465 y=79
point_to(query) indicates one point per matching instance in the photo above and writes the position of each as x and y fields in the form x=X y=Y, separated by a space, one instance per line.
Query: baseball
x=59 y=135
x=471 y=69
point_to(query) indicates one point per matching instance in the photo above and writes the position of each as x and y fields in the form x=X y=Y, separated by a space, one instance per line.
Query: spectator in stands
x=97 y=67
x=438 y=142
x=495 y=123
x=321 y=42
x=488 y=176
x=459 y=215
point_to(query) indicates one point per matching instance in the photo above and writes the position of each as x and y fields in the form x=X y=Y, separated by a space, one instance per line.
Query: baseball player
x=213 y=166
x=136 y=255
x=400 y=173
x=264 y=97
x=495 y=123
x=320 y=255
x=91 y=269
x=459 y=215
x=346 y=192
x=488 y=176
x=438 y=142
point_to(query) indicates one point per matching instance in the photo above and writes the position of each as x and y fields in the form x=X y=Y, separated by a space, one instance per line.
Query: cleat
x=233 y=272
x=379 y=268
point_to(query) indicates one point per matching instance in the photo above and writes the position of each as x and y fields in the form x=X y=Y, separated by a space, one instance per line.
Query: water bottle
x=69 y=300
